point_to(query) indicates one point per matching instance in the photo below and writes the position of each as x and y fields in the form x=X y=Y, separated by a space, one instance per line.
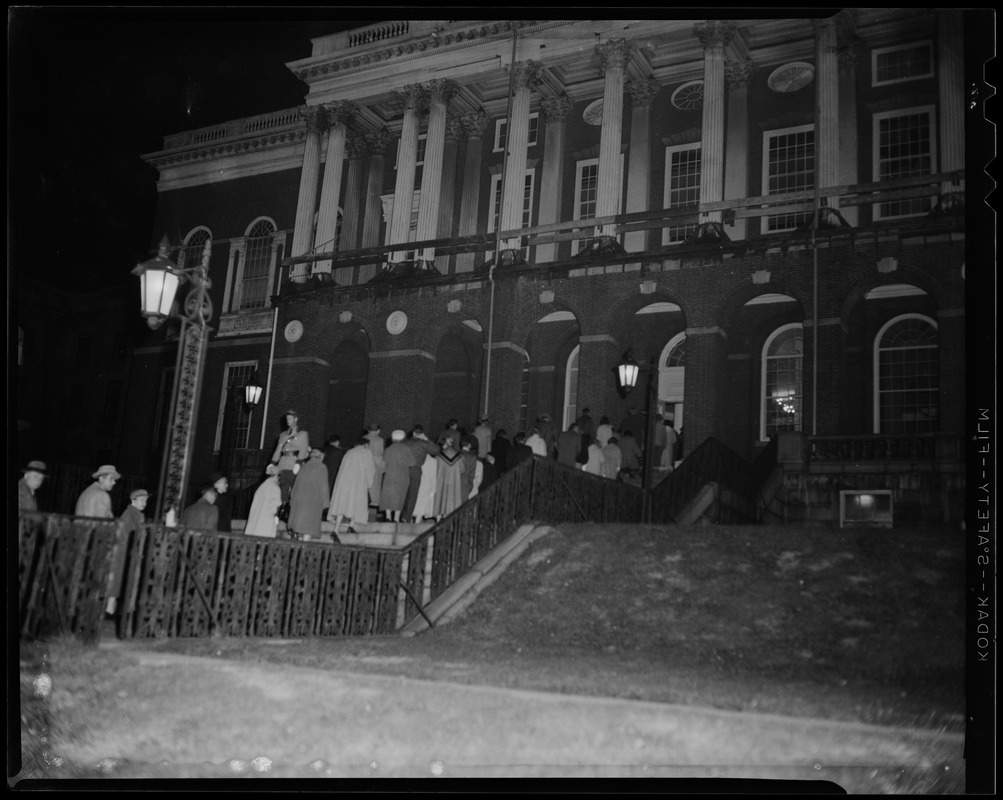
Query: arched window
x=906 y=376
x=782 y=397
x=571 y=389
x=672 y=379
x=191 y=252
x=258 y=258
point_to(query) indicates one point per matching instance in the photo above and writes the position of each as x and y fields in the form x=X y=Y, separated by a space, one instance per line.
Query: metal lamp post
x=627 y=374
x=159 y=280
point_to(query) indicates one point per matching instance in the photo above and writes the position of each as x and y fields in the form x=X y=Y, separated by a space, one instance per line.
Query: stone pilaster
x=714 y=36
x=439 y=92
x=738 y=76
x=412 y=100
x=446 y=207
x=555 y=112
x=614 y=54
x=376 y=145
x=951 y=79
x=526 y=75
x=339 y=116
x=848 y=55
x=642 y=93
x=315 y=121
x=473 y=125
x=827 y=94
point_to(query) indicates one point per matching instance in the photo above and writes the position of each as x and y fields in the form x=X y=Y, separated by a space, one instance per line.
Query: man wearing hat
x=94 y=501
x=31 y=480
x=132 y=519
x=224 y=501
x=293 y=449
x=202 y=514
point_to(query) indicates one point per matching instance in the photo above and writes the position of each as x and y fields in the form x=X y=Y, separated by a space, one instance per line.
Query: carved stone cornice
x=413 y=97
x=642 y=92
x=454 y=128
x=475 y=123
x=526 y=74
x=738 y=74
x=314 y=118
x=440 y=90
x=341 y=112
x=615 y=53
x=556 y=108
x=714 y=33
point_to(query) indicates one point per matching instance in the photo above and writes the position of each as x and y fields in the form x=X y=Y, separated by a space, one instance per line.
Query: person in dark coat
x=132 y=520
x=31 y=480
x=421 y=446
x=224 y=501
x=490 y=471
x=333 y=454
x=202 y=513
x=500 y=446
x=518 y=452
x=569 y=446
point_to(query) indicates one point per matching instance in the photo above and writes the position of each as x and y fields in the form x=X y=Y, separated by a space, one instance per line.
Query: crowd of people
x=406 y=478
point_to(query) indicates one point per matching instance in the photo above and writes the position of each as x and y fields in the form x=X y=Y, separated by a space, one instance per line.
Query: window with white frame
x=682 y=187
x=501 y=129
x=259 y=260
x=236 y=375
x=904 y=146
x=527 y=205
x=903 y=62
x=571 y=389
x=788 y=166
x=907 y=376
x=782 y=397
x=191 y=253
x=587 y=195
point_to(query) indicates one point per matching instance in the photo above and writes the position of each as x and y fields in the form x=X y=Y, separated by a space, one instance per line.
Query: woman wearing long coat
x=448 y=481
x=309 y=497
x=350 y=497
x=265 y=505
x=397 y=462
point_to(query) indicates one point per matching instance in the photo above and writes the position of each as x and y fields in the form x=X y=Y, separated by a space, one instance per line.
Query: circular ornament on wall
x=689 y=96
x=791 y=77
x=397 y=322
x=593 y=113
x=293 y=331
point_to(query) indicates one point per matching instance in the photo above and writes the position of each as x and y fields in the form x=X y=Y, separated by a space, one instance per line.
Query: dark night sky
x=92 y=89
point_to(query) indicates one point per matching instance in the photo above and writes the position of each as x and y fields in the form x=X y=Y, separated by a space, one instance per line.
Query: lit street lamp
x=252 y=392
x=159 y=280
x=627 y=373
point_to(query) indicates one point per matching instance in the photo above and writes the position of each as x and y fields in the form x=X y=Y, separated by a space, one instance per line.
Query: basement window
x=865 y=508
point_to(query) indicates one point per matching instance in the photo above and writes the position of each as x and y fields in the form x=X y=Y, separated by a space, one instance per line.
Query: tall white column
x=713 y=35
x=736 y=158
x=473 y=125
x=446 y=206
x=526 y=76
x=412 y=101
x=354 y=192
x=314 y=119
x=376 y=144
x=614 y=55
x=848 y=57
x=339 y=115
x=951 y=78
x=827 y=98
x=639 y=157
x=555 y=112
x=438 y=93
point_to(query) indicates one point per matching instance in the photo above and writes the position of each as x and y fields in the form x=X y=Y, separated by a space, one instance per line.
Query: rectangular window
x=904 y=147
x=905 y=62
x=112 y=401
x=682 y=188
x=527 y=205
x=236 y=374
x=257 y=273
x=586 y=196
x=501 y=129
x=788 y=166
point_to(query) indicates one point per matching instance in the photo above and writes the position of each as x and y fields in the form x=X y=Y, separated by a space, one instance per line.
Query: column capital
x=377 y=141
x=475 y=123
x=714 y=33
x=556 y=108
x=413 y=97
x=615 y=53
x=526 y=74
x=454 y=128
x=314 y=118
x=356 y=145
x=340 y=112
x=440 y=90
x=739 y=73
x=849 y=52
x=642 y=92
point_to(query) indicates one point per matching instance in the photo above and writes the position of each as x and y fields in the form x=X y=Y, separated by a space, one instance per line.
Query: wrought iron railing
x=181 y=583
